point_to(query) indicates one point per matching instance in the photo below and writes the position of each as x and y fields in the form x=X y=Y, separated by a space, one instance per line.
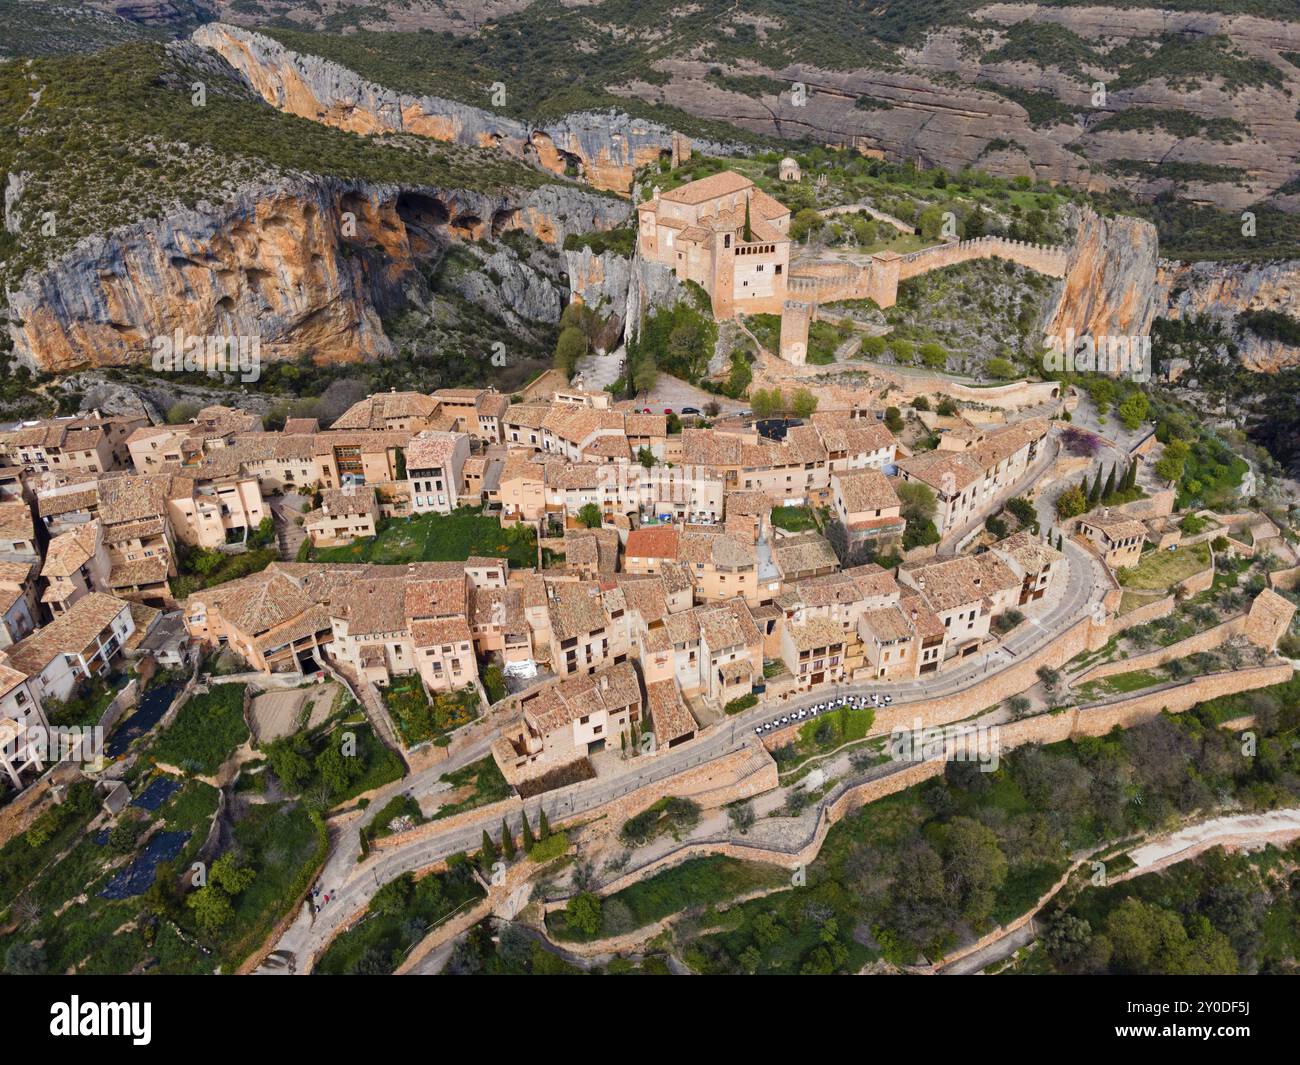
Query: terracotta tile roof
x=716 y=549
x=653 y=541
x=865 y=490
x=1115 y=528
x=668 y=717
x=575 y=608
x=1027 y=551
x=373 y=412
x=141 y=573
x=67 y=502
x=442 y=631
x=71 y=550
x=816 y=632
x=69 y=633
x=430 y=449
x=798 y=554
x=16 y=521
x=696 y=192
x=610 y=689
x=956 y=582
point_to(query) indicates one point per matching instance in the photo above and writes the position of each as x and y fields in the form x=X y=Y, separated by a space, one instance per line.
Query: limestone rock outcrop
x=602 y=148
x=309 y=267
x=1224 y=290
x=1110 y=286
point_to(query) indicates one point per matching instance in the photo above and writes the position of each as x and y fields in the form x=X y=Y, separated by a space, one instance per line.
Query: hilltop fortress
x=733 y=240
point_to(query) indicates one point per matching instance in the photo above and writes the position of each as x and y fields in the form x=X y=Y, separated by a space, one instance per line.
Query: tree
x=1134 y=409
x=934 y=356
x=583 y=913
x=918 y=500
x=1071 y=503
x=1094 y=493
x=543 y=825
x=803 y=403
x=227 y=874
x=487 y=853
x=526 y=833
x=947 y=407
x=1173 y=461
x=1109 y=490
x=212 y=909
x=508 y=847
x=1001 y=368
x=647 y=459
x=974 y=868
x=1050 y=678
x=741 y=816
x=24 y=959
x=571 y=346
x=589 y=515
x=902 y=350
x=893 y=419
x=766 y=404
x=920 y=403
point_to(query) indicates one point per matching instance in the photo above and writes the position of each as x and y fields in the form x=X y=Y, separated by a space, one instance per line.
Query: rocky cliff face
x=621 y=288
x=1224 y=290
x=308 y=267
x=604 y=149
x=1110 y=286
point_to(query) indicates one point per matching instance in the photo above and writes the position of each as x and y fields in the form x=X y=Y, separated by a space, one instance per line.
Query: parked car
x=690 y=410
x=668 y=410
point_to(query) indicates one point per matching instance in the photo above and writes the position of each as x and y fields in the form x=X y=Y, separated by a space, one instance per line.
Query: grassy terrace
x=450 y=537
x=697 y=883
x=794 y=519
x=1160 y=571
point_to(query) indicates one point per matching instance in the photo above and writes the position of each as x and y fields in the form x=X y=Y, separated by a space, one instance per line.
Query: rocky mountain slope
x=133 y=209
x=604 y=149
x=1193 y=97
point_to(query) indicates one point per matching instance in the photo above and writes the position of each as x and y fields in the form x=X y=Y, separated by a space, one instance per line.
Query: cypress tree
x=527 y=834
x=487 y=853
x=1085 y=488
x=1130 y=479
x=543 y=825
x=1094 y=497
x=1110 y=484
x=507 y=841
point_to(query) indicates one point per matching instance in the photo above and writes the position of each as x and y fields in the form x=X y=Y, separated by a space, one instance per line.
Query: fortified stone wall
x=1042 y=258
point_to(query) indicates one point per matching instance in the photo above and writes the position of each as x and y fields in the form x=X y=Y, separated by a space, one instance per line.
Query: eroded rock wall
x=602 y=148
x=308 y=267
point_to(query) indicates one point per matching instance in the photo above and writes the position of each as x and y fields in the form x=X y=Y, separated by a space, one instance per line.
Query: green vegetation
x=1179 y=123
x=199 y=568
x=450 y=537
x=419 y=718
x=485 y=779
x=114 y=138
x=620 y=241
x=1161 y=570
x=939 y=864
x=696 y=884
x=400 y=914
x=669 y=815
x=794 y=519
x=830 y=731
x=207 y=729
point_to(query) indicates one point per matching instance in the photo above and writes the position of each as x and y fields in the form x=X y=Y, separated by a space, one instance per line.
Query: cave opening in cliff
x=426 y=218
x=502 y=220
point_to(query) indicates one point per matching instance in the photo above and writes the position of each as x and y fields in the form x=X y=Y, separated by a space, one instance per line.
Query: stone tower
x=796 y=315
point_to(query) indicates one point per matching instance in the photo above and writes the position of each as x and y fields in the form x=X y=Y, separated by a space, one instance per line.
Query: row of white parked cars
x=857 y=702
